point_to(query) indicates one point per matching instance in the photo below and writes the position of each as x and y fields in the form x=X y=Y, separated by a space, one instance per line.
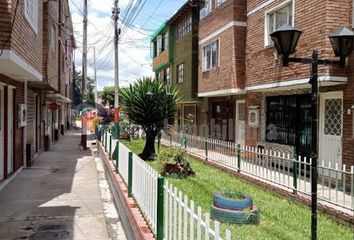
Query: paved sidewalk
x=59 y=197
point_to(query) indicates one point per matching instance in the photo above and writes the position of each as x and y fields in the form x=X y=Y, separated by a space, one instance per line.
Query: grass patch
x=280 y=217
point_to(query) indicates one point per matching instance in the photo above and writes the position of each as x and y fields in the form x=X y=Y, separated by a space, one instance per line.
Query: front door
x=2 y=140
x=330 y=131
x=222 y=120
x=240 y=122
x=10 y=132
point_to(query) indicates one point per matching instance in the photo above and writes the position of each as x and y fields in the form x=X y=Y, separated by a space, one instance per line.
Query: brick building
x=221 y=80
x=25 y=89
x=278 y=98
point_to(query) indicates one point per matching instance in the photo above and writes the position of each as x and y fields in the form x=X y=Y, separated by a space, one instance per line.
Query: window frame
x=35 y=21
x=180 y=74
x=205 y=68
x=205 y=11
x=267 y=42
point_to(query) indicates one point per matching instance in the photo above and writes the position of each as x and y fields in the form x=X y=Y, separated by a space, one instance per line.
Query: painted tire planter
x=235 y=216
x=234 y=207
x=221 y=201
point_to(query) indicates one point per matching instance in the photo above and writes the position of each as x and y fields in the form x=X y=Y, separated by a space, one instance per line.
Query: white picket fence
x=335 y=186
x=123 y=159
x=181 y=218
x=145 y=190
x=181 y=221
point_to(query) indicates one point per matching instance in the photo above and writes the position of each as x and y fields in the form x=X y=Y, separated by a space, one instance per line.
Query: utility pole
x=95 y=74
x=116 y=11
x=84 y=78
x=84 y=51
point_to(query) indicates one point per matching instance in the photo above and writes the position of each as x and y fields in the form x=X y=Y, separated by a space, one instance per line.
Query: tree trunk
x=149 y=149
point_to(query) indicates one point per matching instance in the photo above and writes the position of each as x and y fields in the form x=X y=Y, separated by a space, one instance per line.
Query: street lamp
x=285 y=40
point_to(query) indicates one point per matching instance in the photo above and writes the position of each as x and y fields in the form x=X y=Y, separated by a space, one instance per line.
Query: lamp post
x=285 y=40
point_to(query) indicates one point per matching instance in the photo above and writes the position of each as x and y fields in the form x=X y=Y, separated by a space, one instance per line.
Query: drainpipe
x=25 y=128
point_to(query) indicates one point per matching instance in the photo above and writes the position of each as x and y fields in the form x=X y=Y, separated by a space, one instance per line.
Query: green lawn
x=281 y=218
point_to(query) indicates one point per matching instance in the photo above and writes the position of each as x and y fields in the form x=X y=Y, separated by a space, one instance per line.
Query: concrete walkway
x=59 y=197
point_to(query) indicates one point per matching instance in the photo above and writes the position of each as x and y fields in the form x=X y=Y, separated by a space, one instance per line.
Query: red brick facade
x=250 y=69
x=45 y=61
x=317 y=19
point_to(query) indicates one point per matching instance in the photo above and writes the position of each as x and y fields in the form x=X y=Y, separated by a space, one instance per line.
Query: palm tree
x=151 y=104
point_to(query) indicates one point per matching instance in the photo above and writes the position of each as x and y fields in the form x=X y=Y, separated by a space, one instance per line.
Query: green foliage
x=107 y=96
x=150 y=110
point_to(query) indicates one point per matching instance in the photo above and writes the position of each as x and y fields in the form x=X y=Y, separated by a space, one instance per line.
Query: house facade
x=24 y=87
x=278 y=99
x=221 y=80
x=184 y=65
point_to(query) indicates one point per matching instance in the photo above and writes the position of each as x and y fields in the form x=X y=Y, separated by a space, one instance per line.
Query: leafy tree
x=150 y=103
x=107 y=96
x=90 y=95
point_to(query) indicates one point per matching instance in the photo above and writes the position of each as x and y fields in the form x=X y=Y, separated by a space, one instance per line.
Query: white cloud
x=134 y=61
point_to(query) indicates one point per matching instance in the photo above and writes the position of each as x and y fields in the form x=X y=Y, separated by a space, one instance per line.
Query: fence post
x=295 y=169
x=170 y=139
x=130 y=174
x=238 y=157
x=117 y=156
x=105 y=140
x=160 y=208
x=206 y=149
x=110 y=146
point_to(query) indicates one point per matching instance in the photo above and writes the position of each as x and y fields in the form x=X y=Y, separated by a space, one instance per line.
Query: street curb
x=133 y=222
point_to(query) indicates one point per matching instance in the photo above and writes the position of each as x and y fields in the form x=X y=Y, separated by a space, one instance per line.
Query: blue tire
x=232 y=204
x=235 y=216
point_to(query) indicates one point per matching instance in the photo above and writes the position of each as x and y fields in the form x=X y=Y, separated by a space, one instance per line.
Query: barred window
x=180 y=73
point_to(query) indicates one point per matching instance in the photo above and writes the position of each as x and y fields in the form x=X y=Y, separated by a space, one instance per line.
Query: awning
x=58 y=98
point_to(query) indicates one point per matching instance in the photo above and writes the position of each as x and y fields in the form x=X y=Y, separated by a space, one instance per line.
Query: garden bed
x=281 y=218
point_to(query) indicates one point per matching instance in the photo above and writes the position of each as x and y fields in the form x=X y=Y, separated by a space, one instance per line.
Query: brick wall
x=317 y=19
x=24 y=40
x=18 y=131
x=230 y=73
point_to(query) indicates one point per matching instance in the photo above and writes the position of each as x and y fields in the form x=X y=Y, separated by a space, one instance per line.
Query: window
x=211 y=55
x=206 y=9
x=180 y=73
x=167 y=76
x=183 y=27
x=289 y=120
x=277 y=18
x=219 y=2
x=31 y=13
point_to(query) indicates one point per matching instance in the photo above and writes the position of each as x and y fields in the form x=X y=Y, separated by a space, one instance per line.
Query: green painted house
x=175 y=61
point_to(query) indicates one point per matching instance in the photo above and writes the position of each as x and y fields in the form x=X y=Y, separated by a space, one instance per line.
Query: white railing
x=335 y=185
x=123 y=167
x=181 y=221
x=145 y=190
x=180 y=218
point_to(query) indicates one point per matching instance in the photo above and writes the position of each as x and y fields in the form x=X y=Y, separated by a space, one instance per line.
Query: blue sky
x=134 y=46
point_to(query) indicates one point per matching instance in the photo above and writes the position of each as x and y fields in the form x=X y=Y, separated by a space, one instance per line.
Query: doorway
x=222 y=120
x=2 y=140
x=330 y=130
x=240 y=122
x=10 y=131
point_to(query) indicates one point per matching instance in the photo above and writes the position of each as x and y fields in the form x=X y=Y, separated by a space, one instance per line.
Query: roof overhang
x=57 y=98
x=15 y=67
x=324 y=81
x=41 y=86
x=222 y=93
x=159 y=31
